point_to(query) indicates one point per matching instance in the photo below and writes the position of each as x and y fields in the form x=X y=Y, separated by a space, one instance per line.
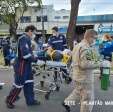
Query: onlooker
x=106 y=38
x=106 y=47
x=40 y=43
x=6 y=51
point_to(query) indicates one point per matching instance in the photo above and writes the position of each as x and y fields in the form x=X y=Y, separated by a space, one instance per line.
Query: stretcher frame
x=47 y=68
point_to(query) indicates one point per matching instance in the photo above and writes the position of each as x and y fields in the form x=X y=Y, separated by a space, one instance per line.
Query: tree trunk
x=71 y=36
x=13 y=28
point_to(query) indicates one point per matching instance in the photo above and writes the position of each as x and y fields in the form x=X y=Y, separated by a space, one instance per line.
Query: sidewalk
x=56 y=98
x=2 y=67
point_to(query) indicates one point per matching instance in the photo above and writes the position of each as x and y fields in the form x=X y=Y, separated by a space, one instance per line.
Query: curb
x=6 y=67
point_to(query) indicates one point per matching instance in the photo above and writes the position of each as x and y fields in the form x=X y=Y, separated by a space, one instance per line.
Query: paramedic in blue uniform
x=23 y=70
x=58 y=42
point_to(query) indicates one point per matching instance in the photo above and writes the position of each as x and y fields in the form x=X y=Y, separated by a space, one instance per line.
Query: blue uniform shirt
x=58 y=43
x=22 y=66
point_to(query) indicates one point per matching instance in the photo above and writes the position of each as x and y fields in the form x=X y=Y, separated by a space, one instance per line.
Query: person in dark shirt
x=57 y=41
x=6 y=51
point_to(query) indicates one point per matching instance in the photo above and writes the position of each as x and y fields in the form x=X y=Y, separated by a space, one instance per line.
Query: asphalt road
x=56 y=98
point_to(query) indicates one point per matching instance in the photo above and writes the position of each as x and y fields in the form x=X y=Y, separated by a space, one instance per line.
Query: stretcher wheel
x=47 y=95
x=68 y=80
x=57 y=88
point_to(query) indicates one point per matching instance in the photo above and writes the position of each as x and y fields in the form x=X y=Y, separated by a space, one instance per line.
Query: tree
x=71 y=36
x=8 y=12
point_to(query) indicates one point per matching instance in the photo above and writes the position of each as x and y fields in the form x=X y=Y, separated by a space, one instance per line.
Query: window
x=25 y=19
x=57 y=17
x=65 y=17
x=38 y=18
x=45 y=19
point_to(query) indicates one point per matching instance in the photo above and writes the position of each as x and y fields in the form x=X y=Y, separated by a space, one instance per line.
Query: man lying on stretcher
x=55 y=55
x=57 y=44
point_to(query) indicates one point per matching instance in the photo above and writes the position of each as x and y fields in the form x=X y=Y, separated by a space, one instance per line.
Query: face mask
x=54 y=34
x=94 y=43
x=33 y=36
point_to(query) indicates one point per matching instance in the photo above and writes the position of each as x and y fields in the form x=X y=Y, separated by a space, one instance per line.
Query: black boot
x=66 y=107
x=35 y=102
x=68 y=80
x=10 y=106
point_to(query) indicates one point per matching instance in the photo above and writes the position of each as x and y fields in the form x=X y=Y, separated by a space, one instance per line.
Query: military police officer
x=83 y=66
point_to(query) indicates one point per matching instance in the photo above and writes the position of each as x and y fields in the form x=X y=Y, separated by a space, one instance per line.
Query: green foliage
x=8 y=10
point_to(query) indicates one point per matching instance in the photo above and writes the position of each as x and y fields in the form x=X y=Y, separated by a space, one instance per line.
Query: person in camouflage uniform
x=84 y=62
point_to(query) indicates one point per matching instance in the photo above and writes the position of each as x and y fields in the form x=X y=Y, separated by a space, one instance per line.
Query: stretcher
x=45 y=73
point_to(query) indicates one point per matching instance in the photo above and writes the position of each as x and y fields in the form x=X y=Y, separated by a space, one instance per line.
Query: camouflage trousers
x=82 y=94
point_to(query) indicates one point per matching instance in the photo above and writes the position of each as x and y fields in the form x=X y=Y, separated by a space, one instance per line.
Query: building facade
x=44 y=18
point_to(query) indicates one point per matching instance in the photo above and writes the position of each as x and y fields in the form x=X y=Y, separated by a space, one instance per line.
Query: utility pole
x=43 y=27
